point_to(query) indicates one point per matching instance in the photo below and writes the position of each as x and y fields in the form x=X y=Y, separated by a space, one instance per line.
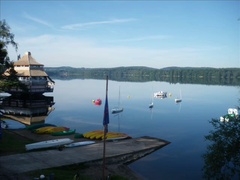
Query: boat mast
x=104 y=141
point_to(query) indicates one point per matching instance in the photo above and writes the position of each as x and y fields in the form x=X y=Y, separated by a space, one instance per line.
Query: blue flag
x=106 y=113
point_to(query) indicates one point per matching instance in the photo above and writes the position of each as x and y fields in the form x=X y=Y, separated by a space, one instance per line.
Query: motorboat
x=160 y=93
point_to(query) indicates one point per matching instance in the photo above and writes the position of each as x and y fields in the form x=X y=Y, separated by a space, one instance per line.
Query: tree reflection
x=223 y=152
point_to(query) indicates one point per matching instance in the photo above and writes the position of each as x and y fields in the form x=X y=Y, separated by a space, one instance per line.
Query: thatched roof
x=27 y=59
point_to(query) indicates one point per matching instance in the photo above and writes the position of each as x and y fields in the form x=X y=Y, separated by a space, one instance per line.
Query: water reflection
x=28 y=109
x=223 y=153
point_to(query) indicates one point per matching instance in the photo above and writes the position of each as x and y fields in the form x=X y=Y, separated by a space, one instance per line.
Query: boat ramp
x=122 y=152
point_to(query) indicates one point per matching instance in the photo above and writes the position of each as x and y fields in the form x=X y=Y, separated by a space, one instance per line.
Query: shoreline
x=114 y=167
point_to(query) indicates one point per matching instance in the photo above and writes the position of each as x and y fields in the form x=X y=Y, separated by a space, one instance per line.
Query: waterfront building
x=32 y=74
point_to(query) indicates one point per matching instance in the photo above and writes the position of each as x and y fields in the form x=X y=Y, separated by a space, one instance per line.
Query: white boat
x=233 y=111
x=47 y=144
x=79 y=144
x=178 y=100
x=160 y=93
x=118 y=109
x=151 y=105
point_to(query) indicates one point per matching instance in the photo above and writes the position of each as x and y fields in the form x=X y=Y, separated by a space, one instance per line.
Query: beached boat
x=47 y=144
x=49 y=130
x=100 y=135
x=63 y=133
x=36 y=126
x=84 y=143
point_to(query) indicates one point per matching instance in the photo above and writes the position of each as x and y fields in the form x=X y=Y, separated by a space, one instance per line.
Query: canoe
x=49 y=130
x=63 y=133
x=11 y=124
x=36 y=126
x=47 y=144
x=79 y=144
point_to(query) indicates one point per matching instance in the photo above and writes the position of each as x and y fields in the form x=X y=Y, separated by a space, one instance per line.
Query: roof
x=27 y=59
x=26 y=73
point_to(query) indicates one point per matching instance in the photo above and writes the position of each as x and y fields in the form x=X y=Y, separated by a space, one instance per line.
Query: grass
x=61 y=173
x=12 y=143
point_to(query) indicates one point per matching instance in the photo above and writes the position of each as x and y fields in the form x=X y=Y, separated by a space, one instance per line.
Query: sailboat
x=151 y=105
x=118 y=109
x=179 y=100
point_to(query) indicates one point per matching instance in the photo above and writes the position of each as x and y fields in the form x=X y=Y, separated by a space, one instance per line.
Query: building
x=32 y=74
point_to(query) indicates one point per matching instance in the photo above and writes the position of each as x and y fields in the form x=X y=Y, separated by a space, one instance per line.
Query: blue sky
x=156 y=34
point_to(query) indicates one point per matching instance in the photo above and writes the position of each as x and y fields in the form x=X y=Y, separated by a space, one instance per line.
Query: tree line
x=214 y=76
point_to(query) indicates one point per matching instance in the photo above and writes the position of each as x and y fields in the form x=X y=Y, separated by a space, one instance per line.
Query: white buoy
x=226 y=119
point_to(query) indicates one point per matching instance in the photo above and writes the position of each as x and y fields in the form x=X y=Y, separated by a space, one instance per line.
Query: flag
x=106 y=115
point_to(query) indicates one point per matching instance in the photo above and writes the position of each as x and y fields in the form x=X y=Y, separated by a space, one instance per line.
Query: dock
x=122 y=151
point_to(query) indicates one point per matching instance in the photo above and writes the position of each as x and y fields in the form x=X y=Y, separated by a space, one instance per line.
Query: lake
x=184 y=124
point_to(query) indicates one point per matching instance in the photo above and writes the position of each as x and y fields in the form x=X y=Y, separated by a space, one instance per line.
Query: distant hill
x=125 y=67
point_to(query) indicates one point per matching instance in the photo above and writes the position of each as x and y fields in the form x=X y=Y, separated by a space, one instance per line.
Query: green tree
x=222 y=159
x=7 y=38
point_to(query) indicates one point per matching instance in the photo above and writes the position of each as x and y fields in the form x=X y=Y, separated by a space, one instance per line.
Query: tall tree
x=6 y=39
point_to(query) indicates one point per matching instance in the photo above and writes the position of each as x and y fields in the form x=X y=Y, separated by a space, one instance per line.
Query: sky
x=106 y=34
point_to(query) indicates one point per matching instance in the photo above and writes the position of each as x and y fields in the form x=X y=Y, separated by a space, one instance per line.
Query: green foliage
x=7 y=38
x=222 y=159
x=221 y=76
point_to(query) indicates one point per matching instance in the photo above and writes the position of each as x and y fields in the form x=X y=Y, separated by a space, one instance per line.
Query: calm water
x=184 y=124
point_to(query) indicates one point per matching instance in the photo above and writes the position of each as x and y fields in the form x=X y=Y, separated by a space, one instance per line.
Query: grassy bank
x=12 y=143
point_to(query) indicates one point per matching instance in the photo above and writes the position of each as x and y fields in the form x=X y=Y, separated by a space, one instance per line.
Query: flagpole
x=104 y=141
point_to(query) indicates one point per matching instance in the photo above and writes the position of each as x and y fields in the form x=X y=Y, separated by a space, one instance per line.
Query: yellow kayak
x=89 y=134
x=93 y=136
x=49 y=130
x=43 y=130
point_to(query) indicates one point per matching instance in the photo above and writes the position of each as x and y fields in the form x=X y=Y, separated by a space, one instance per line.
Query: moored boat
x=160 y=93
x=117 y=110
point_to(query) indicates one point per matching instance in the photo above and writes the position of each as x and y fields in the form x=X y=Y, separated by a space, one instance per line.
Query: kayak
x=78 y=136
x=63 y=133
x=49 y=130
x=47 y=144
x=36 y=126
x=100 y=135
x=79 y=144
